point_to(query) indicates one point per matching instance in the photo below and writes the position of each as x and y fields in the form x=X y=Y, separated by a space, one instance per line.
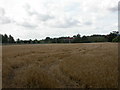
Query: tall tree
x=5 y=38
x=11 y=39
x=1 y=38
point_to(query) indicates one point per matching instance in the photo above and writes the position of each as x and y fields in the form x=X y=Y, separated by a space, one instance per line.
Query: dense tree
x=11 y=39
x=97 y=38
x=30 y=41
x=18 y=41
x=84 y=39
x=116 y=39
x=35 y=41
x=1 y=38
x=48 y=40
x=112 y=35
x=5 y=38
x=77 y=38
x=3 y=41
x=54 y=40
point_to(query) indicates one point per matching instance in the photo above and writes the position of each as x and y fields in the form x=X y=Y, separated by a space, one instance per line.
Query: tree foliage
x=112 y=37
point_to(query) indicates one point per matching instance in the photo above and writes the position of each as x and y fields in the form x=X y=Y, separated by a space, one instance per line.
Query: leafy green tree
x=18 y=40
x=97 y=38
x=116 y=39
x=77 y=39
x=35 y=41
x=54 y=40
x=112 y=35
x=30 y=41
x=48 y=40
x=84 y=39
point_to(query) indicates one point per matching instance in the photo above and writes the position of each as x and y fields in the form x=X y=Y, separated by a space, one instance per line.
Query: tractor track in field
x=53 y=68
x=64 y=80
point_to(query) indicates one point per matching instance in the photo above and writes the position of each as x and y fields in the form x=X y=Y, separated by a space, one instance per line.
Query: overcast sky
x=37 y=19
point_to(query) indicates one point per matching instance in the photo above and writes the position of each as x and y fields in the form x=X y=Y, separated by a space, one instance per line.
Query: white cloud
x=63 y=22
x=57 y=17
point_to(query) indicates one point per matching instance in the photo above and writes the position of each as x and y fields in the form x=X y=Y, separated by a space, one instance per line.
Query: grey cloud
x=30 y=12
x=27 y=25
x=68 y=23
x=114 y=9
x=4 y=19
x=2 y=12
x=44 y=17
x=88 y=23
x=41 y=17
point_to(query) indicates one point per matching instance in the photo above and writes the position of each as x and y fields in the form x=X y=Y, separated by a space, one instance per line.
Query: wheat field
x=84 y=65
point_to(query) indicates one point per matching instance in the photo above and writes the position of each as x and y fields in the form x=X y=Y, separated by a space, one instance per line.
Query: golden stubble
x=86 y=65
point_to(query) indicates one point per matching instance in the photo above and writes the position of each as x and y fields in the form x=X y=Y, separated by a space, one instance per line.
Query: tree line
x=112 y=37
x=7 y=39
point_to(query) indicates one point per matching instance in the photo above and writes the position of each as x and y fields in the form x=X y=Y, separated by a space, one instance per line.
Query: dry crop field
x=84 y=65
